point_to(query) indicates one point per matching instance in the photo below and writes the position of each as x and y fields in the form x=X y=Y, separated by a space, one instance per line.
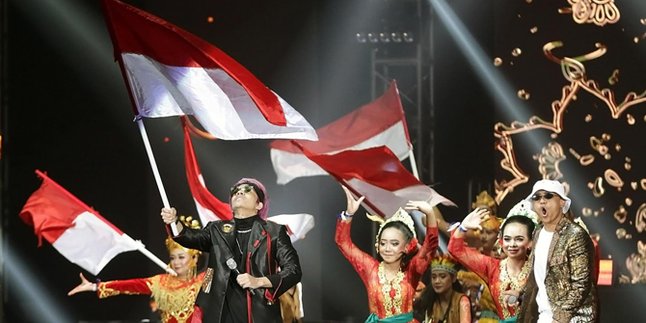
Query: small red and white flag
x=171 y=72
x=377 y=174
x=79 y=233
x=379 y=123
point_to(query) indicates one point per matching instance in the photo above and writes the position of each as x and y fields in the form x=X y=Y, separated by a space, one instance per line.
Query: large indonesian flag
x=377 y=174
x=171 y=72
x=378 y=123
x=79 y=233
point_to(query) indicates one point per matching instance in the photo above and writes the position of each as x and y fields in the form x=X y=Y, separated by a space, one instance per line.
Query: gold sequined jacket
x=569 y=282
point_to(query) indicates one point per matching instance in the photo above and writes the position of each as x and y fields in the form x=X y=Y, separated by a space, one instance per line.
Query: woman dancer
x=391 y=279
x=505 y=277
x=443 y=300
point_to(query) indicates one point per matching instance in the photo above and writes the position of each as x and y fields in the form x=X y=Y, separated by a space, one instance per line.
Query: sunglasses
x=547 y=196
x=245 y=188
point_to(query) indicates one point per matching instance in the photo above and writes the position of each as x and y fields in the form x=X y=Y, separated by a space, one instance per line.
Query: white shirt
x=541 y=251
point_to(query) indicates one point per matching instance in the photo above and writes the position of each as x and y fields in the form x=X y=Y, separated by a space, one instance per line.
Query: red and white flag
x=171 y=72
x=377 y=174
x=379 y=123
x=79 y=233
x=209 y=207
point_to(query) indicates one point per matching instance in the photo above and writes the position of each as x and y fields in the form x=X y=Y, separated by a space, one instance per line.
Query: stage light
x=384 y=38
x=408 y=37
x=372 y=37
x=396 y=37
x=361 y=38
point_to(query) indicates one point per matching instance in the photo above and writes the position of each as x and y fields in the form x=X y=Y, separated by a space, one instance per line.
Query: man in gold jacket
x=561 y=287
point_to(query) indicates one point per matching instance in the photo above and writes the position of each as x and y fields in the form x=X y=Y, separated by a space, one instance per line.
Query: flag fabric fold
x=171 y=72
x=79 y=233
x=377 y=174
x=379 y=123
x=209 y=208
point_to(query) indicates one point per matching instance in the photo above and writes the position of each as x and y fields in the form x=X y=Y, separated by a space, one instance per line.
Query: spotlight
x=373 y=38
x=396 y=37
x=408 y=37
x=384 y=38
x=361 y=37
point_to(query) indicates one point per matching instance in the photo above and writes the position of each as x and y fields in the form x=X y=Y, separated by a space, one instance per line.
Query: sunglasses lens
x=547 y=196
x=245 y=188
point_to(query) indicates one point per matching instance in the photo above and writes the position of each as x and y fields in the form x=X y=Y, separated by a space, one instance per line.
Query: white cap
x=553 y=187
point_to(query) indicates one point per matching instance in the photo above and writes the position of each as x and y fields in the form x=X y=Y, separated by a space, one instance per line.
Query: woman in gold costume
x=173 y=296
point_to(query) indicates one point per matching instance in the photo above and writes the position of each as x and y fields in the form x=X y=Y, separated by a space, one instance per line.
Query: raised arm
x=423 y=257
x=357 y=258
x=473 y=260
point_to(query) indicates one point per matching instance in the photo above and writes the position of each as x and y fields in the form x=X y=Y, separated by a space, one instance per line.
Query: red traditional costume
x=174 y=297
x=387 y=298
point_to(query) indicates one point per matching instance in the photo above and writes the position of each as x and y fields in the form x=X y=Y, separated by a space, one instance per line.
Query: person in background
x=173 y=296
x=391 y=279
x=443 y=300
x=561 y=286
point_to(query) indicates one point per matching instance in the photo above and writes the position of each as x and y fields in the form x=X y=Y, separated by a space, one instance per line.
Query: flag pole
x=150 y=255
x=413 y=164
x=153 y=165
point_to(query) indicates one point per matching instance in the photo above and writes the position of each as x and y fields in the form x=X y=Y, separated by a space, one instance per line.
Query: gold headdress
x=444 y=263
x=401 y=215
x=485 y=199
x=172 y=245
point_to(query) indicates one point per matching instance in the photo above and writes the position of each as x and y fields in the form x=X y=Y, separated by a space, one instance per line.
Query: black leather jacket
x=269 y=247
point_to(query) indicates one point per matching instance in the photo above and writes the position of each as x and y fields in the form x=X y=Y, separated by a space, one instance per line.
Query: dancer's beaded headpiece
x=485 y=199
x=401 y=215
x=444 y=263
x=187 y=222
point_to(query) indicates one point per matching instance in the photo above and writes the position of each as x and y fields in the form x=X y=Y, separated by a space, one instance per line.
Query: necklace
x=509 y=282
x=391 y=290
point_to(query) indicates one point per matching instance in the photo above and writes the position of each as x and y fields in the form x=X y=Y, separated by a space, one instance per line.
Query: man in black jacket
x=251 y=261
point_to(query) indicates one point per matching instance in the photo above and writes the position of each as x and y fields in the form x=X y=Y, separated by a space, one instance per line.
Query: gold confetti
x=516 y=52
x=642 y=21
x=607 y=156
x=613 y=178
x=640 y=219
x=597 y=189
x=633 y=185
x=627 y=166
x=614 y=78
x=621 y=233
x=629 y=201
x=586 y=160
x=497 y=61
x=617 y=147
x=606 y=137
x=533 y=30
x=588 y=118
x=630 y=119
x=523 y=95
x=210 y=19
x=586 y=211
x=643 y=184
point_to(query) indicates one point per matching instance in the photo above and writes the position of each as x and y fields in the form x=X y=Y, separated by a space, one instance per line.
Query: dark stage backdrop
x=67 y=113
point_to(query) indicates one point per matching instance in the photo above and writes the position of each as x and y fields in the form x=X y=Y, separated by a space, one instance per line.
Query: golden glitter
x=596 y=213
x=627 y=166
x=627 y=159
x=629 y=201
x=586 y=211
x=516 y=52
x=528 y=1
x=614 y=78
x=642 y=21
x=497 y=61
x=617 y=147
x=598 y=189
x=210 y=19
x=574 y=153
x=606 y=137
x=586 y=160
x=613 y=178
x=523 y=95
x=643 y=184
x=588 y=118
x=533 y=30
x=633 y=185
x=607 y=156
x=554 y=135
x=630 y=119
x=590 y=185
x=621 y=233
x=640 y=218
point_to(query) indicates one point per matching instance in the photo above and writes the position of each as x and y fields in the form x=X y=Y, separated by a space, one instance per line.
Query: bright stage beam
x=39 y=305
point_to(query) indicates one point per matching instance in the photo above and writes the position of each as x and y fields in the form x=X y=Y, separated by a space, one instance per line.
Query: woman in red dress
x=508 y=276
x=391 y=279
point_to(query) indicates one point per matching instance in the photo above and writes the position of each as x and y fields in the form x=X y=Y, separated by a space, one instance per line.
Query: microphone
x=231 y=263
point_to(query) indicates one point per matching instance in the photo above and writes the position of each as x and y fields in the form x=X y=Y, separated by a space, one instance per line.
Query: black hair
x=429 y=296
x=408 y=235
x=520 y=219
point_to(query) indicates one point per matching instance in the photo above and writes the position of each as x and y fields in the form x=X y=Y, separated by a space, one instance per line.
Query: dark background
x=65 y=111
